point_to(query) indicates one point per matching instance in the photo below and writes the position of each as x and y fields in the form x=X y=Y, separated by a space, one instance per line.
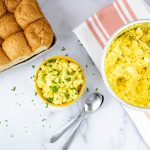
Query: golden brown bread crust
x=3 y=58
x=38 y=34
x=16 y=46
x=27 y=12
x=1 y=41
x=12 y=5
x=8 y=25
x=2 y=8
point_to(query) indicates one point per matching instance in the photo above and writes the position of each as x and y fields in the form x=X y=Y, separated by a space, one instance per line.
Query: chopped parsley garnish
x=43 y=119
x=67 y=95
x=50 y=99
x=68 y=73
x=32 y=100
x=59 y=81
x=51 y=60
x=96 y=89
x=14 y=88
x=87 y=89
x=46 y=105
x=55 y=89
x=35 y=93
x=43 y=76
x=63 y=49
x=68 y=79
x=86 y=66
x=32 y=77
x=80 y=42
x=33 y=66
x=67 y=54
x=93 y=74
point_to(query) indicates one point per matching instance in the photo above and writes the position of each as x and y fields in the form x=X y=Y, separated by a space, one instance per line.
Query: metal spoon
x=93 y=103
x=62 y=130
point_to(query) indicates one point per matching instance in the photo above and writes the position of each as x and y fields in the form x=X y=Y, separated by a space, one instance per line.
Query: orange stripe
x=121 y=10
x=147 y=115
x=94 y=33
x=110 y=19
x=129 y=9
x=100 y=29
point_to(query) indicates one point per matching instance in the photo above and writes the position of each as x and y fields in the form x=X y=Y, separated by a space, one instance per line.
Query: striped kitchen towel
x=95 y=32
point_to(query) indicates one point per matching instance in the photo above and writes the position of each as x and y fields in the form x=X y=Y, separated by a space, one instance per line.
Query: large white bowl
x=118 y=32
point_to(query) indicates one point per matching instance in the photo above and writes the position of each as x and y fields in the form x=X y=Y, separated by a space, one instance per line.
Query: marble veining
x=25 y=121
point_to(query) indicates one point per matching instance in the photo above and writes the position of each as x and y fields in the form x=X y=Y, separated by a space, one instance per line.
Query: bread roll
x=39 y=35
x=11 y=5
x=8 y=25
x=1 y=41
x=16 y=46
x=2 y=8
x=27 y=12
x=3 y=58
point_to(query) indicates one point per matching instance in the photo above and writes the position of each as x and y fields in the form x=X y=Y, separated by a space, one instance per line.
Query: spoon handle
x=72 y=134
x=62 y=130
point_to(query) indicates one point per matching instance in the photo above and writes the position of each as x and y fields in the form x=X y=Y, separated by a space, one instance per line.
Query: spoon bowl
x=93 y=102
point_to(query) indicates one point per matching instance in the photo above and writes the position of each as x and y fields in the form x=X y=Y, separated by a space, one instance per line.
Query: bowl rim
x=39 y=91
x=115 y=34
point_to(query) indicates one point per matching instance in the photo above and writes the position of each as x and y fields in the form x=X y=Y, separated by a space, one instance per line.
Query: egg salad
x=127 y=66
x=60 y=81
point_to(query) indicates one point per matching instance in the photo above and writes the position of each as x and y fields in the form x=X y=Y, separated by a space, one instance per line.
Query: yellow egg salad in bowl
x=126 y=65
x=60 y=81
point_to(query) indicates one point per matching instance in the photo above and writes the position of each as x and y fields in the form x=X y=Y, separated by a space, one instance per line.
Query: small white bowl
x=118 y=32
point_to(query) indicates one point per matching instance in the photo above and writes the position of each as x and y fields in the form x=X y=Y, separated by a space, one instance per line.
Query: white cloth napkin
x=96 y=30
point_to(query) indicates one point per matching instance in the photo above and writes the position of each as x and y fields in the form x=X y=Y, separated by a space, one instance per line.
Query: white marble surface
x=22 y=121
